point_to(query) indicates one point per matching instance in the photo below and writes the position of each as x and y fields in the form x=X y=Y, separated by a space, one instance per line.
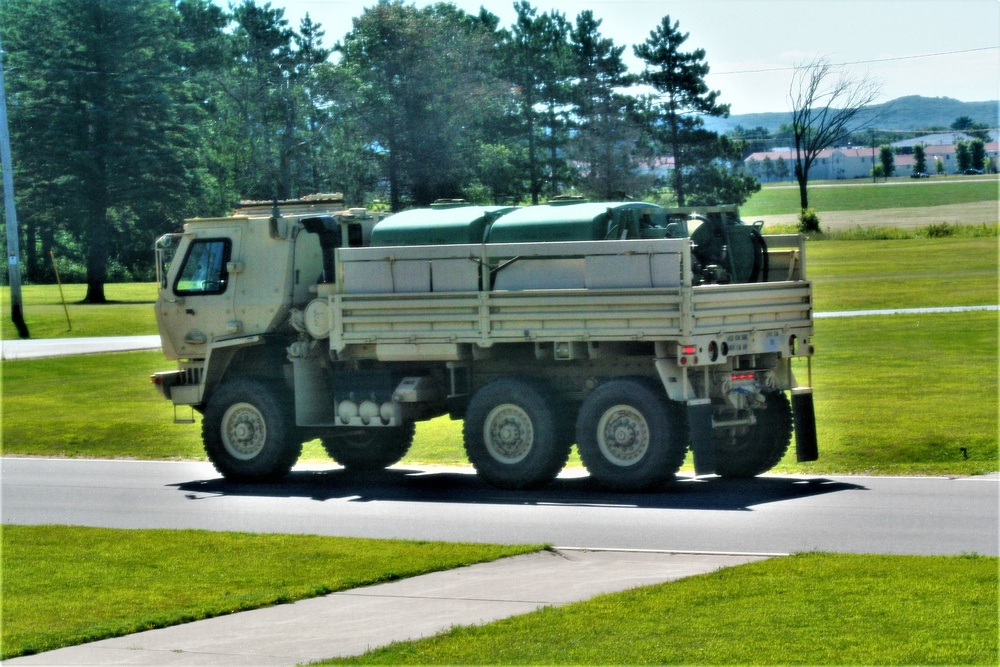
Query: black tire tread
x=762 y=447
x=668 y=428
x=277 y=459
x=550 y=450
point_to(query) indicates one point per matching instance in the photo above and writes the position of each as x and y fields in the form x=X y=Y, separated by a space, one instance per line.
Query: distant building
x=936 y=139
x=842 y=163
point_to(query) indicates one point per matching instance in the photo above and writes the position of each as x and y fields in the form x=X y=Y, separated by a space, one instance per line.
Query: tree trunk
x=553 y=153
x=97 y=257
x=536 y=186
x=675 y=148
x=394 y=195
x=31 y=262
x=48 y=247
x=678 y=178
x=802 y=178
x=98 y=243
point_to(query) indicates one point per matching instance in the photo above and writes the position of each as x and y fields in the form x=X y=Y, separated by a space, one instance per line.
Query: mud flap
x=806 y=447
x=699 y=416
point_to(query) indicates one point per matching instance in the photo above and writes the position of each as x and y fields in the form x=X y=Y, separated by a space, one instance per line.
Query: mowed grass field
x=130 y=312
x=932 y=377
x=857 y=195
x=807 y=609
x=68 y=585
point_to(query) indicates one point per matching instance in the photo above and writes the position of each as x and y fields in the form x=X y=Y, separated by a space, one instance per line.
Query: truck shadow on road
x=415 y=485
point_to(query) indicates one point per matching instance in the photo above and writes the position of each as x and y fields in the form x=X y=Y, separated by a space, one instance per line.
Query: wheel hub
x=623 y=435
x=508 y=433
x=244 y=432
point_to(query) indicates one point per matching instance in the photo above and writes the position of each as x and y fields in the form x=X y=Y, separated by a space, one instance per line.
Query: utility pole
x=13 y=247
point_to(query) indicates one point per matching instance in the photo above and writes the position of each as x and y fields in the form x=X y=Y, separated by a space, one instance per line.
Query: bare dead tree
x=828 y=103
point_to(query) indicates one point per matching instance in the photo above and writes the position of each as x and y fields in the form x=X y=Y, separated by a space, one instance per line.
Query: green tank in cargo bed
x=437 y=226
x=583 y=221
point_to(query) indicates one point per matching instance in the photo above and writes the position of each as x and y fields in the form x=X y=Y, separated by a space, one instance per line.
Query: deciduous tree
x=426 y=88
x=977 y=154
x=887 y=158
x=963 y=155
x=827 y=105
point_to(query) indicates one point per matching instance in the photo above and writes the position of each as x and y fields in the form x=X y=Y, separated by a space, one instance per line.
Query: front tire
x=630 y=437
x=249 y=432
x=752 y=451
x=513 y=434
x=373 y=448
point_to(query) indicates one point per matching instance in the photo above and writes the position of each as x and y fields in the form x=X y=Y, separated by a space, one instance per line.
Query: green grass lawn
x=894 y=394
x=911 y=273
x=68 y=585
x=863 y=196
x=905 y=394
x=934 y=377
x=809 y=609
x=129 y=314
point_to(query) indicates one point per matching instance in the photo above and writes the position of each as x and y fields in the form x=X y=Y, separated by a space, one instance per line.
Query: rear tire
x=249 y=431
x=754 y=450
x=373 y=448
x=513 y=436
x=630 y=437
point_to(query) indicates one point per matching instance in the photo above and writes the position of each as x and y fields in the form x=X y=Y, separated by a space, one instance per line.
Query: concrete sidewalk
x=354 y=621
x=35 y=348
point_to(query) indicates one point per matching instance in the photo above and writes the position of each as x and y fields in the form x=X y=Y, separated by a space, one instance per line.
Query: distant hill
x=904 y=113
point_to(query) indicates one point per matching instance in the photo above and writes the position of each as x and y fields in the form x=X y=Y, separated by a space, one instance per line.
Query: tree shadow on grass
x=405 y=484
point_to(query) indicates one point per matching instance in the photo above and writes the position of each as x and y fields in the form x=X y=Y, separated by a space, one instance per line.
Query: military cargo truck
x=634 y=331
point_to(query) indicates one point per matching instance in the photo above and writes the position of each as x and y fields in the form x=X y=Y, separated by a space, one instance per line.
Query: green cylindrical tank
x=556 y=221
x=436 y=226
x=576 y=221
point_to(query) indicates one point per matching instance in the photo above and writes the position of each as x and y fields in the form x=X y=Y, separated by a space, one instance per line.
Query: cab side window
x=204 y=268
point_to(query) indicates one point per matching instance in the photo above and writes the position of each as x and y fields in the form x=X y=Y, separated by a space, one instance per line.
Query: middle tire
x=630 y=437
x=512 y=434
x=372 y=448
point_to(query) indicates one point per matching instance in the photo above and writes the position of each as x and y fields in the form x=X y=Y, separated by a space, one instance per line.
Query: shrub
x=808 y=220
x=940 y=230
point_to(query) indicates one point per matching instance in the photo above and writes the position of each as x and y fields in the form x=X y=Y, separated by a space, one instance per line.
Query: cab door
x=195 y=305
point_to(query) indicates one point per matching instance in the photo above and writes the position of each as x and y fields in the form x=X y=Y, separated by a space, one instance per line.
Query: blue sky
x=935 y=48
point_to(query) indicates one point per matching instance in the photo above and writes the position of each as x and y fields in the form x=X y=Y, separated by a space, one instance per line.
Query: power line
x=863 y=62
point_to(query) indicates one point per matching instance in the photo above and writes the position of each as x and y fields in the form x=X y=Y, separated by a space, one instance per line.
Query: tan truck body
x=404 y=333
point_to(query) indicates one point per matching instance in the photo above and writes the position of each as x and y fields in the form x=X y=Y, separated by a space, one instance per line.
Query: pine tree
x=607 y=135
x=679 y=79
x=100 y=137
x=536 y=60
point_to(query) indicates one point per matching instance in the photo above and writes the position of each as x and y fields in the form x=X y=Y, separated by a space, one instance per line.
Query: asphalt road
x=889 y=515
